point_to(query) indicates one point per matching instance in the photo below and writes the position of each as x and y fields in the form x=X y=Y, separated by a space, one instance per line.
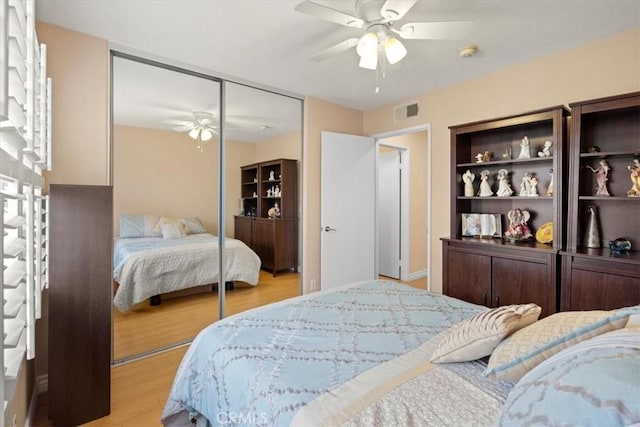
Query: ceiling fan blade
x=335 y=49
x=177 y=122
x=323 y=12
x=451 y=30
x=394 y=10
x=183 y=128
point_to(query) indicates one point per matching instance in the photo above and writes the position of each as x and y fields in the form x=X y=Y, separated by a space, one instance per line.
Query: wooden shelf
x=506 y=162
x=597 y=278
x=610 y=198
x=604 y=154
x=505 y=198
x=496 y=271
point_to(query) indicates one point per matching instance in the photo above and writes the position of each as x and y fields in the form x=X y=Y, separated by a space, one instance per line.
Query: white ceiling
x=268 y=43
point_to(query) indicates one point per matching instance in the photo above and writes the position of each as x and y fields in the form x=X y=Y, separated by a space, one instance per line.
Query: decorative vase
x=592 y=235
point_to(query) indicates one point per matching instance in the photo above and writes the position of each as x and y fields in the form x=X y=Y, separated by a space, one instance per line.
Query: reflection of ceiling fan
x=201 y=128
x=378 y=19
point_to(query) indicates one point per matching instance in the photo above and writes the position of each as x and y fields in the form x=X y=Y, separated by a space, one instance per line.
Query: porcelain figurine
x=518 y=229
x=272 y=176
x=525 y=150
x=602 y=174
x=549 y=191
x=485 y=188
x=634 y=176
x=504 y=188
x=546 y=150
x=533 y=187
x=468 y=177
x=525 y=185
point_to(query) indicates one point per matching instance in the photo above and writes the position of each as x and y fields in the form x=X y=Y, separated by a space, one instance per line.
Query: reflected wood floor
x=144 y=327
x=139 y=389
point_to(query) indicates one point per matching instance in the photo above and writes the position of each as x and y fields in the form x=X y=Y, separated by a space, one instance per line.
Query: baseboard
x=41 y=386
x=418 y=275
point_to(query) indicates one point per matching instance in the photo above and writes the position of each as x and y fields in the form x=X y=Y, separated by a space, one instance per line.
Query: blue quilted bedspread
x=262 y=366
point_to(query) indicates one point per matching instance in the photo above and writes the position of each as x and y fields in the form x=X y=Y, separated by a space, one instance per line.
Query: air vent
x=405 y=112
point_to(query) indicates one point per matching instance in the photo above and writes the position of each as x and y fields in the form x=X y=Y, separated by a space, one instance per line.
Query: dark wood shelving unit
x=496 y=271
x=594 y=278
x=275 y=240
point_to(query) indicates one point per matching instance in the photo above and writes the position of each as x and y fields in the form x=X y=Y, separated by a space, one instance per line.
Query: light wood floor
x=146 y=328
x=139 y=389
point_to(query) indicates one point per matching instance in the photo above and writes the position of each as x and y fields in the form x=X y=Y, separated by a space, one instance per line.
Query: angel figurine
x=468 y=178
x=602 y=173
x=485 y=188
x=518 y=228
x=504 y=189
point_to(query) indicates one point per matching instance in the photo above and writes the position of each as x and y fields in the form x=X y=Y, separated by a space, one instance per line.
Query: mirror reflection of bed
x=166 y=201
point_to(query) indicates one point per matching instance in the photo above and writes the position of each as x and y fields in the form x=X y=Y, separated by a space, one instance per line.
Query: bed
x=148 y=266
x=360 y=355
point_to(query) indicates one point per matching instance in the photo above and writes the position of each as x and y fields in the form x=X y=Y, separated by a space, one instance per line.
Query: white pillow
x=479 y=335
x=172 y=230
x=164 y=220
x=530 y=346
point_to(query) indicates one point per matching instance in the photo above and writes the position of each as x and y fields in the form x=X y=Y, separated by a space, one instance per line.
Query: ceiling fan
x=201 y=128
x=379 y=20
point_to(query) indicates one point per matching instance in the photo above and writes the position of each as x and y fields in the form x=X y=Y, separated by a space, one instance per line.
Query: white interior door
x=347 y=209
x=389 y=213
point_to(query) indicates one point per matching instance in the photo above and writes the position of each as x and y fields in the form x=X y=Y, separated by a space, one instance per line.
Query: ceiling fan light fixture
x=193 y=133
x=367 y=44
x=206 y=134
x=394 y=50
x=369 y=60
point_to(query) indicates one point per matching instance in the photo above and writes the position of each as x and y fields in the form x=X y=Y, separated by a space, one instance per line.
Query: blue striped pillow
x=593 y=383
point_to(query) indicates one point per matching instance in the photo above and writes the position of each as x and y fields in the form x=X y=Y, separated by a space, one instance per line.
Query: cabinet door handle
x=484 y=298
x=498 y=301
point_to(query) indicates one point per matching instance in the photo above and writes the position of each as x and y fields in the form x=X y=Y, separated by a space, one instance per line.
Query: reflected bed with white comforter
x=148 y=266
x=357 y=355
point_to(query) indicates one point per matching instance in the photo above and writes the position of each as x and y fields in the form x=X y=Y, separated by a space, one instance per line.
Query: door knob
x=327 y=229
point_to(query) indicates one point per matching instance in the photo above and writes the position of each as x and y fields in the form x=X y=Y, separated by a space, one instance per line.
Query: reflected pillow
x=477 y=336
x=528 y=347
x=172 y=230
x=137 y=226
x=164 y=220
x=597 y=379
x=193 y=225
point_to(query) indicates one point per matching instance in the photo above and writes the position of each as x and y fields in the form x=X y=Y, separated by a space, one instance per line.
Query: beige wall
x=79 y=67
x=288 y=146
x=163 y=173
x=418 y=194
x=607 y=66
x=319 y=116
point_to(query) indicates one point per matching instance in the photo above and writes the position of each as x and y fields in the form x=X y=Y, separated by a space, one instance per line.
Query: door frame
x=404 y=208
x=404 y=131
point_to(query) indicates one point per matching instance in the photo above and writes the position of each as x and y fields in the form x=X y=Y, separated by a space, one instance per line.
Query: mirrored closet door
x=262 y=193
x=165 y=126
